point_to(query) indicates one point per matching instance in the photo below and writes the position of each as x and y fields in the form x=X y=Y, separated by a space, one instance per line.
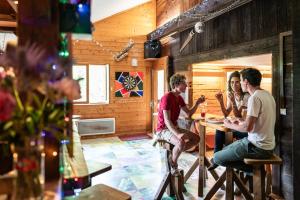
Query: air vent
x=96 y=126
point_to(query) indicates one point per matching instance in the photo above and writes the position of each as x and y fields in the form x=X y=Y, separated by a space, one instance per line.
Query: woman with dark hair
x=237 y=102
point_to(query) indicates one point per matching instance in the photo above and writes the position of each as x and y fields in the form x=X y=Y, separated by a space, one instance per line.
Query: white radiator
x=96 y=126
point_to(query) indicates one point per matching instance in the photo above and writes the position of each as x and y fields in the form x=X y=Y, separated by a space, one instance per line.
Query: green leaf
x=30 y=125
x=12 y=133
x=54 y=114
x=8 y=125
x=37 y=100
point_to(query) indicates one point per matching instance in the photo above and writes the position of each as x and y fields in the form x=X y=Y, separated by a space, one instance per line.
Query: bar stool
x=172 y=182
x=259 y=174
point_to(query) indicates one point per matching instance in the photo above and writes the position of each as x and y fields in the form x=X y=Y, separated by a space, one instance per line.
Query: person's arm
x=225 y=111
x=191 y=111
x=170 y=125
x=241 y=126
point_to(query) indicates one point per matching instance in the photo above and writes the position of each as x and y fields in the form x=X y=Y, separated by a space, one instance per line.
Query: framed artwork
x=129 y=84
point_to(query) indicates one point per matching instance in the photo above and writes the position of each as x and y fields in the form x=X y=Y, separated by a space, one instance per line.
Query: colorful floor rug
x=137 y=167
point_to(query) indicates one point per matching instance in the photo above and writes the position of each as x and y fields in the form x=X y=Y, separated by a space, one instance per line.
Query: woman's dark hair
x=252 y=75
x=238 y=75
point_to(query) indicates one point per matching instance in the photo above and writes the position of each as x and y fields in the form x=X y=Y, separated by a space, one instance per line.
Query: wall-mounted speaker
x=152 y=49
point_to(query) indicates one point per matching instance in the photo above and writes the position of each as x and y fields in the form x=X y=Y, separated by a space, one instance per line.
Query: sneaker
x=213 y=165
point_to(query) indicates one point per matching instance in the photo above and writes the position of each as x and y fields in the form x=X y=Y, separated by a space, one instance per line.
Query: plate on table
x=215 y=120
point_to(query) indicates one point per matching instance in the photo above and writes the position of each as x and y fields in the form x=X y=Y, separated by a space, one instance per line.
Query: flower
x=68 y=87
x=34 y=92
x=7 y=105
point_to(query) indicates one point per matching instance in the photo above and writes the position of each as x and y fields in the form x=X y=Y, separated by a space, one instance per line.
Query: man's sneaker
x=213 y=165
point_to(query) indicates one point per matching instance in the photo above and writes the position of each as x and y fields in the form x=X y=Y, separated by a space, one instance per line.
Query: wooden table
x=100 y=191
x=76 y=168
x=202 y=160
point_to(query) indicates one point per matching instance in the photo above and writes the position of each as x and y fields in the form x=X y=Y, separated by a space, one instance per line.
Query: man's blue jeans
x=220 y=138
x=233 y=155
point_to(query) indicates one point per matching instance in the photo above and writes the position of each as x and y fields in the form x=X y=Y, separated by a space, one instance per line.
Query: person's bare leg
x=179 y=146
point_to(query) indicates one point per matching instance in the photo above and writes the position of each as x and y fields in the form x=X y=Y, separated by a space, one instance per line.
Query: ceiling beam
x=204 y=11
x=10 y=24
x=13 y=5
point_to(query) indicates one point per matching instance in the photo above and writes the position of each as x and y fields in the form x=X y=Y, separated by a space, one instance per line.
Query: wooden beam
x=13 y=5
x=8 y=24
x=6 y=17
x=204 y=11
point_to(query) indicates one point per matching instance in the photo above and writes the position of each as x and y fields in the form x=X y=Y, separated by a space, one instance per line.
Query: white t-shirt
x=262 y=105
x=240 y=103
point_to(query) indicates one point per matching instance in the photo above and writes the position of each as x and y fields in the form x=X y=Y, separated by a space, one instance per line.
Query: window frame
x=87 y=102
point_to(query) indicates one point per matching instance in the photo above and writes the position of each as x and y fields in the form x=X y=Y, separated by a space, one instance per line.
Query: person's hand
x=201 y=99
x=219 y=96
x=231 y=97
x=227 y=122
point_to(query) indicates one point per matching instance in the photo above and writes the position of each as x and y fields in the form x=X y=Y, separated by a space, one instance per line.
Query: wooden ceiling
x=8 y=16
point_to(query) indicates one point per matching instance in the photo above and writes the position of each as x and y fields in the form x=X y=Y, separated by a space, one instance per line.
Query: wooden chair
x=172 y=183
x=100 y=191
x=259 y=174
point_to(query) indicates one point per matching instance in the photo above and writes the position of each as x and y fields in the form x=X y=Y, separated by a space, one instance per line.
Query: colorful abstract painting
x=129 y=84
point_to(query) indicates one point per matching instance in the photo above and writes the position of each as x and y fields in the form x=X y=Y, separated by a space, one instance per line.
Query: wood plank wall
x=208 y=83
x=169 y=9
x=296 y=97
x=251 y=29
x=285 y=139
x=113 y=33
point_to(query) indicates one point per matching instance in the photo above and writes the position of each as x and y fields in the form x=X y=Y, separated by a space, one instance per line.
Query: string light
x=54 y=153
x=199 y=12
x=100 y=46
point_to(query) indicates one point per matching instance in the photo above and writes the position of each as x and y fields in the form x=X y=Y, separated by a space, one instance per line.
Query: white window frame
x=87 y=102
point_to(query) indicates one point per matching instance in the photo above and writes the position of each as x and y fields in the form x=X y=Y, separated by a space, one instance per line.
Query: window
x=94 y=84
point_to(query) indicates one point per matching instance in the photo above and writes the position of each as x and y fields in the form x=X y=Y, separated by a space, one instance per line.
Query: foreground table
x=100 y=191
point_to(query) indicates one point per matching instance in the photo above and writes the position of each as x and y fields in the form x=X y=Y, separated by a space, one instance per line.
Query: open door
x=160 y=75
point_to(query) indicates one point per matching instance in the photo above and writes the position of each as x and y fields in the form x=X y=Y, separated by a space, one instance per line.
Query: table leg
x=201 y=179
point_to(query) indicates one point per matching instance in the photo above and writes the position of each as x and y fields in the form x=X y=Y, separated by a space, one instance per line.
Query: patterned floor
x=137 y=167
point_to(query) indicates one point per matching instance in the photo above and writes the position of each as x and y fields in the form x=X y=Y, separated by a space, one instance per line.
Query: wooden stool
x=100 y=191
x=259 y=175
x=172 y=182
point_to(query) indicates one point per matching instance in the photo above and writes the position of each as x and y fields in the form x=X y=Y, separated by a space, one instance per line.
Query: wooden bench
x=101 y=191
x=259 y=175
x=172 y=182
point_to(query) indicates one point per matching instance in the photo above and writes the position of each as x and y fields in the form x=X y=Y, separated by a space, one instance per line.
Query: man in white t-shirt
x=259 y=123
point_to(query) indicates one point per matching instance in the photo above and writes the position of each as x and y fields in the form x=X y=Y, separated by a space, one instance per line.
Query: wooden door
x=160 y=76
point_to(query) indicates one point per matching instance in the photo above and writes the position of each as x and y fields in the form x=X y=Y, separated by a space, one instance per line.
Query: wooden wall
x=207 y=82
x=253 y=29
x=169 y=9
x=132 y=114
x=296 y=97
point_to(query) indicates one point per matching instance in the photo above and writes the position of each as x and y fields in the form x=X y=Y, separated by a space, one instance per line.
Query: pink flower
x=68 y=87
x=7 y=105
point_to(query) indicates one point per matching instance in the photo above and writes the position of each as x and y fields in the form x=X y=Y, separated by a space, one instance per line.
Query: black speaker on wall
x=152 y=49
